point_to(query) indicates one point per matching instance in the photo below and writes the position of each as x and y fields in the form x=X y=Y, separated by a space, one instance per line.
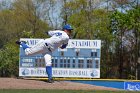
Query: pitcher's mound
x=12 y=83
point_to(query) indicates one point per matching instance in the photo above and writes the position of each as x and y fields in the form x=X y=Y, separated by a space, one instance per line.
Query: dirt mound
x=13 y=83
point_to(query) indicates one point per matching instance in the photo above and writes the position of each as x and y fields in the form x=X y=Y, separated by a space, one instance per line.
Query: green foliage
x=125 y=26
x=25 y=14
x=19 y=22
x=133 y=18
x=9 y=61
x=89 y=23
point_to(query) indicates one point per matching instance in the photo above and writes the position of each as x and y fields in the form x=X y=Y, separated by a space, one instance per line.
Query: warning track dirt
x=13 y=83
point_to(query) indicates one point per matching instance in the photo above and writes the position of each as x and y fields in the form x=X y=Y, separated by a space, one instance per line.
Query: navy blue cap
x=67 y=27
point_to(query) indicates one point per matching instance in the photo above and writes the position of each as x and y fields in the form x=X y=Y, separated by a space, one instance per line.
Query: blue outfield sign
x=132 y=86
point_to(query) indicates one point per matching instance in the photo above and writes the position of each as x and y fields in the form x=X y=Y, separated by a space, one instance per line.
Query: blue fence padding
x=113 y=84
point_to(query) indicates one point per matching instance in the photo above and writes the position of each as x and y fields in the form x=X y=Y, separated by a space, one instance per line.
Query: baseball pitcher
x=47 y=46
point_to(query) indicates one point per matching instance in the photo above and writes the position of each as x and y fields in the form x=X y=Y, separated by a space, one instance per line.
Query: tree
x=91 y=22
x=9 y=61
x=25 y=14
x=134 y=25
x=126 y=35
x=20 y=21
x=74 y=11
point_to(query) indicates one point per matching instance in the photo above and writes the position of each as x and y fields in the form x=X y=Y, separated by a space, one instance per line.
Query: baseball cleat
x=19 y=42
x=50 y=81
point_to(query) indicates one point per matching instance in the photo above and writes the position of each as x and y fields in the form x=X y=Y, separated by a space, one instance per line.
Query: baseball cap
x=67 y=27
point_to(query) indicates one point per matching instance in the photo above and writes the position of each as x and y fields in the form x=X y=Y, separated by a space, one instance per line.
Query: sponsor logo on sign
x=25 y=72
x=94 y=73
x=133 y=86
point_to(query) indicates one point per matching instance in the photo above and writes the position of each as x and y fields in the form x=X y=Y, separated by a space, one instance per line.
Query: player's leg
x=48 y=62
x=40 y=47
x=25 y=47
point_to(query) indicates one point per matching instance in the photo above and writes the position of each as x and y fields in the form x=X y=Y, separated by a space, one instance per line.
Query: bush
x=9 y=61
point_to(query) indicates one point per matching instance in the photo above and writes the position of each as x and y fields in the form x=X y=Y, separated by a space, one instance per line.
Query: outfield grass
x=59 y=91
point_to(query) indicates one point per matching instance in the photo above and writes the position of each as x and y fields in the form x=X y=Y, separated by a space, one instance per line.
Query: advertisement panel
x=60 y=72
x=132 y=86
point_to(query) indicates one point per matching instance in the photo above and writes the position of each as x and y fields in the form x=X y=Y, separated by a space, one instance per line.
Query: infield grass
x=59 y=91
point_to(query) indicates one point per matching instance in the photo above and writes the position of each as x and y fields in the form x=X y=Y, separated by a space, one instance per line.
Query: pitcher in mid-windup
x=47 y=46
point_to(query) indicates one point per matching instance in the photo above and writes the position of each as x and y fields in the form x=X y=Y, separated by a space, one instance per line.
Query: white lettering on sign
x=133 y=87
x=27 y=60
x=27 y=65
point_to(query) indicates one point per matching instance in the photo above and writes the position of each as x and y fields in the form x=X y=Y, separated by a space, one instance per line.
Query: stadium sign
x=73 y=43
x=81 y=59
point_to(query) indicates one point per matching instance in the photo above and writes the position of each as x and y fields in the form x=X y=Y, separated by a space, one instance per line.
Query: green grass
x=58 y=91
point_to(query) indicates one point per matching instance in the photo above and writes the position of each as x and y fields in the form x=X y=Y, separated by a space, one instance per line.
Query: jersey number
x=58 y=34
